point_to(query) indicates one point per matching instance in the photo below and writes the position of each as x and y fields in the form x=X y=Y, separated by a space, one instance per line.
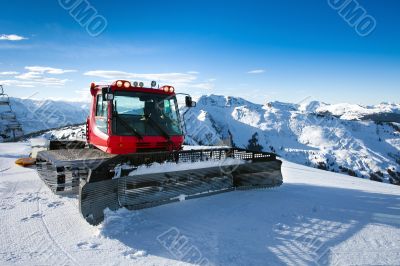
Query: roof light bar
x=127 y=84
x=168 y=89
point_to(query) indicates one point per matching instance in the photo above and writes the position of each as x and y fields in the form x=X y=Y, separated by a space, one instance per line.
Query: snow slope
x=314 y=217
x=342 y=138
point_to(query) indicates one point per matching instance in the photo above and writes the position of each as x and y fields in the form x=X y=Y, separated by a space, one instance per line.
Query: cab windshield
x=145 y=114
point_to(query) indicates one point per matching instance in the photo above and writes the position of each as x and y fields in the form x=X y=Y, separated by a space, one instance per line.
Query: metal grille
x=105 y=171
x=62 y=170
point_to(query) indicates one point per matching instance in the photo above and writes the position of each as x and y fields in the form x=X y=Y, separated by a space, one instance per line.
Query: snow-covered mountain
x=357 y=140
x=36 y=115
x=384 y=112
x=362 y=141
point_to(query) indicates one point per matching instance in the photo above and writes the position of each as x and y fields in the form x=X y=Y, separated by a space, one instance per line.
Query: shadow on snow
x=294 y=224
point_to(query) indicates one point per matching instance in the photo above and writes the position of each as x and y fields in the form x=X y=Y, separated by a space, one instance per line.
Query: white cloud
x=49 y=70
x=203 y=86
x=9 y=73
x=170 y=78
x=256 y=71
x=7 y=82
x=83 y=96
x=182 y=81
x=25 y=85
x=34 y=83
x=17 y=83
x=12 y=37
x=37 y=76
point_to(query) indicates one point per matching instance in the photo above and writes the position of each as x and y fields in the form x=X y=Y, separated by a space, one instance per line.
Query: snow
x=36 y=115
x=339 y=137
x=315 y=217
x=169 y=167
x=355 y=112
x=39 y=142
x=67 y=133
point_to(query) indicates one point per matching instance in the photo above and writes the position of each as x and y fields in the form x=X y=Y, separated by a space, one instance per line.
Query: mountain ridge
x=345 y=138
x=314 y=134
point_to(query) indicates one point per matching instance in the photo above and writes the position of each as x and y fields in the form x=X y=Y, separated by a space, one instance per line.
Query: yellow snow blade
x=25 y=162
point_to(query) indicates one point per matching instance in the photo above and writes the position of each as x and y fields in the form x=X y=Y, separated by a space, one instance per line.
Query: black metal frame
x=105 y=170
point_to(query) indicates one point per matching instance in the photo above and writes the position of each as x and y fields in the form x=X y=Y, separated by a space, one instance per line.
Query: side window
x=101 y=114
x=101 y=107
x=169 y=109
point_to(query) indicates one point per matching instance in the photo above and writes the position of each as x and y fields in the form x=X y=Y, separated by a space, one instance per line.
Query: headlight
x=127 y=84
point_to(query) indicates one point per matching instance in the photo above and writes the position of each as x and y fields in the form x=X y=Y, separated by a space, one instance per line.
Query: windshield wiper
x=158 y=127
x=126 y=124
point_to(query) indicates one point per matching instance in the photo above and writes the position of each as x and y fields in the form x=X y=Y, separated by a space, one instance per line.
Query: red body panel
x=125 y=145
x=114 y=144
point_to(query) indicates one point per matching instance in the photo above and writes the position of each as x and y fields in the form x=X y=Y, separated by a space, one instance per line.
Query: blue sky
x=263 y=51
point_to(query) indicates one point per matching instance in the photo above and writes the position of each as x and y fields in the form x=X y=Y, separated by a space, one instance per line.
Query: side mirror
x=189 y=102
x=107 y=95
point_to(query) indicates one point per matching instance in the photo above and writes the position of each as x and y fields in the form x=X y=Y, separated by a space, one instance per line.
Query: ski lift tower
x=10 y=128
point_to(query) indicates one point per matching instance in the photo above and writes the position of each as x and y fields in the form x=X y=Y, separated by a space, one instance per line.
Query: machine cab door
x=101 y=122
